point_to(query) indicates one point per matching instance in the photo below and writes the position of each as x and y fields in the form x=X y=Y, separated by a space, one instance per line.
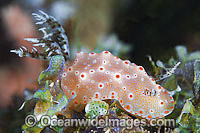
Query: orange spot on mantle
x=128 y=107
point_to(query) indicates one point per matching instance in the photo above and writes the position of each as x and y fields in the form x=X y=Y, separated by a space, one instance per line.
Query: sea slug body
x=103 y=76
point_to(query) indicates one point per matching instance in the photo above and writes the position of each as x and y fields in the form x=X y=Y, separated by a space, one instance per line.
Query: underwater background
x=155 y=34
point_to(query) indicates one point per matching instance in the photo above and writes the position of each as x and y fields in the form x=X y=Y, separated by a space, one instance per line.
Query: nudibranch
x=103 y=76
x=97 y=76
